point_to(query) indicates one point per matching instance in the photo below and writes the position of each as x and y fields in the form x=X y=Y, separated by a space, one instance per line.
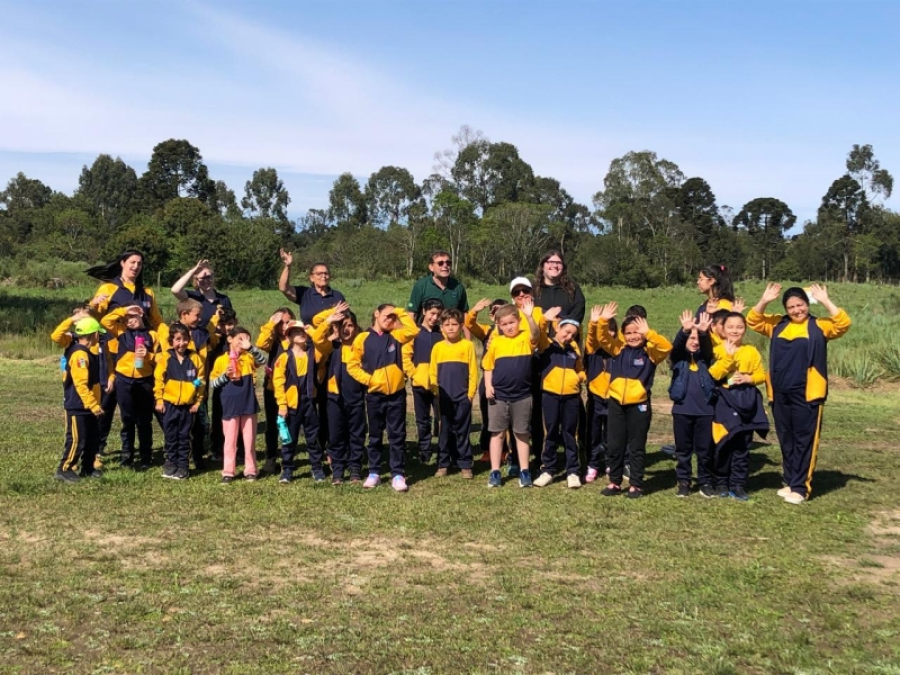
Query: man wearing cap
x=81 y=401
x=439 y=285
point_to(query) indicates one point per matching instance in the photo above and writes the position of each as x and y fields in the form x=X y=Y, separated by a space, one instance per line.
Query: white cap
x=519 y=281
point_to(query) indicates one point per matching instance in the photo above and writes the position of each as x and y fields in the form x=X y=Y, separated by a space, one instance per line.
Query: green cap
x=88 y=326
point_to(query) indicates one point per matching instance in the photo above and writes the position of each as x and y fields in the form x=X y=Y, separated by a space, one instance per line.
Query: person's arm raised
x=284 y=281
x=178 y=287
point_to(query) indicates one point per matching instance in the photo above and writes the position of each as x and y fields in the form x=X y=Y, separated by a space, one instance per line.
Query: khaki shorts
x=503 y=415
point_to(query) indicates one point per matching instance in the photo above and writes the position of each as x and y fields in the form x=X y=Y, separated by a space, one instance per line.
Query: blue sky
x=760 y=99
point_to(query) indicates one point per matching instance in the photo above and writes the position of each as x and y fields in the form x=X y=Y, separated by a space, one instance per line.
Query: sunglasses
x=442 y=263
x=521 y=291
x=321 y=274
x=205 y=278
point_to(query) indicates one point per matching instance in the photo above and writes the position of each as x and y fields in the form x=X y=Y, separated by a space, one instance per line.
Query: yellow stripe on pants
x=815 y=451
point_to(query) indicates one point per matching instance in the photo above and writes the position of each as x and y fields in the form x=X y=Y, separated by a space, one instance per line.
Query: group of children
x=335 y=382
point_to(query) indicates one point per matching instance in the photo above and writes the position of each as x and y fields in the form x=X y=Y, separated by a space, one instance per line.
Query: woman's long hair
x=724 y=288
x=113 y=270
x=564 y=281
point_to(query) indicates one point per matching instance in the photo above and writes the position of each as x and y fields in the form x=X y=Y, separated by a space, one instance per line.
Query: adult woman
x=714 y=281
x=312 y=299
x=798 y=377
x=554 y=288
x=123 y=286
x=204 y=291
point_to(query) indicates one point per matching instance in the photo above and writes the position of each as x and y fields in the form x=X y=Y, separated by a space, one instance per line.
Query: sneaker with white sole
x=795 y=498
x=591 y=475
x=399 y=484
x=525 y=479
x=784 y=492
x=573 y=481
x=495 y=480
x=543 y=480
x=374 y=480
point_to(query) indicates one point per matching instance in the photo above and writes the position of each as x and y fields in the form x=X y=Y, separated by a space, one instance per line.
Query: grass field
x=134 y=574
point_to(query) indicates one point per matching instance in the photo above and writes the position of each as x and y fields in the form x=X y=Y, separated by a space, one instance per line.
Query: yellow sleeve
x=108 y=290
x=764 y=324
x=61 y=334
x=755 y=370
x=479 y=331
x=611 y=345
x=319 y=318
x=78 y=370
x=408 y=330
x=406 y=352
x=212 y=329
x=354 y=360
x=432 y=367
x=162 y=335
x=487 y=362
x=279 y=378
x=590 y=339
x=835 y=326
x=113 y=321
x=219 y=367
x=200 y=393
x=320 y=339
x=159 y=376
x=723 y=366
x=658 y=347
x=155 y=317
x=473 y=371
x=266 y=339
x=543 y=341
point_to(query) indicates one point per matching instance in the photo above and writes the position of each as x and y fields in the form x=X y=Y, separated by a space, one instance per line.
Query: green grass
x=135 y=574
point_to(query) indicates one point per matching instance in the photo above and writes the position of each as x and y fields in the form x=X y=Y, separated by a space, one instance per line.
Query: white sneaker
x=399 y=484
x=794 y=498
x=543 y=480
x=573 y=481
x=784 y=492
x=591 y=475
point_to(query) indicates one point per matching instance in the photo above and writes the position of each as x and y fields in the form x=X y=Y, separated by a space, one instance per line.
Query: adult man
x=440 y=285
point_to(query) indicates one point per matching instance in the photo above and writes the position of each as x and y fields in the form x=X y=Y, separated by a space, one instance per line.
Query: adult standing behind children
x=204 y=292
x=312 y=299
x=554 y=288
x=438 y=285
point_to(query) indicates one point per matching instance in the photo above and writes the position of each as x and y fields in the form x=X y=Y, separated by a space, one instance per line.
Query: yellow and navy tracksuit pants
x=306 y=417
x=82 y=442
x=561 y=414
x=799 y=426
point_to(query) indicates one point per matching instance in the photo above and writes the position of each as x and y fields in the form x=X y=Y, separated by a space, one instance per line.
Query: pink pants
x=244 y=425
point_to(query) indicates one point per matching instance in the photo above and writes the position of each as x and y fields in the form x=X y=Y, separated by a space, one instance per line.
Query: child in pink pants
x=232 y=374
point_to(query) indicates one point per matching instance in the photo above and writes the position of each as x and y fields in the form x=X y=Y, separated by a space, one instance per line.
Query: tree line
x=649 y=225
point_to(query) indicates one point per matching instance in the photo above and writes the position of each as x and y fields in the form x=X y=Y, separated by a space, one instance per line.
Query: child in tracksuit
x=346 y=401
x=295 y=376
x=376 y=362
x=562 y=372
x=233 y=374
x=81 y=401
x=132 y=347
x=227 y=321
x=596 y=365
x=693 y=392
x=483 y=333
x=180 y=386
x=634 y=359
x=416 y=361
x=453 y=374
x=273 y=342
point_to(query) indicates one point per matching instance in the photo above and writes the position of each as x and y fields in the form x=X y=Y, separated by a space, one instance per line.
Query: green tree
x=347 y=204
x=70 y=234
x=265 y=195
x=225 y=202
x=518 y=234
x=845 y=205
x=862 y=166
x=109 y=187
x=146 y=234
x=390 y=194
x=488 y=174
x=454 y=218
x=22 y=200
x=765 y=220
x=176 y=169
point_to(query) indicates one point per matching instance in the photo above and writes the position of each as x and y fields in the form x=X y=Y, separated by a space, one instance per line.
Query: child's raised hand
x=642 y=326
x=241 y=343
x=339 y=311
x=596 y=311
x=286 y=257
x=712 y=305
x=80 y=313
x=134 y=310
x=687 y=321
x=771 y=293
x=99 y=300
x=528 y=307
x=739 y=305
x=704 y=321
x=609 y=311
x=277 y=318
x=553 y=313
x=819 y=293
x=482 y=304
x=731 y=346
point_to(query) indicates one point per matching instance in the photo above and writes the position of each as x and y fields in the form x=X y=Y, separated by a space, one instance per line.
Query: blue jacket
x=681 y=360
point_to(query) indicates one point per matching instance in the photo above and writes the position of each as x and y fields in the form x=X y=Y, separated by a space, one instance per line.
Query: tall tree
x=21 y=203
x=347 y=204
x=109 y=187
x=845 y=205
x=444 y=160
x=519 y=234
x=265 y=195
x=225 y=201
x=862 y=165
x=699 y=214
x=390 y=194
x=454 y=217
x=766 y=219
x=489 y=174
x=176 y=169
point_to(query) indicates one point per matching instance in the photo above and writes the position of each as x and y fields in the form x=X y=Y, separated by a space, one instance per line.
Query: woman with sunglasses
x=554 y=288
x=204 y=291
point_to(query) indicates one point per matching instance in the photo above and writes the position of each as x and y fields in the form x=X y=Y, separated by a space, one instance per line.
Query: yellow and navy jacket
x=122 y=294
x=376 y=360
x=511 y=363
x=738 y=407
x=746 y=359
x=340 y=383
x=203 y=338
x=175 y=381
x=723 y=304
x=296 y=375
x=562 y=369
x=596 y=364
x=81 y=381
x=417 y=356
x=238 y=397
x=631 y=369
x=123 y=342
x=63 y=336
x=453 y=369
x=692 y=389
x=798 y=352
x=273 y=347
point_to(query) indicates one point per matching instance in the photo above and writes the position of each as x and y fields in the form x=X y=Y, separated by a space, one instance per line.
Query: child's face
x=704 y=283
x=348 y=330
x=734 y=329
x=285 y=320
x=179 y=343
x=431 y=317
x=719 y=329
x=386 y=319
x=566 y=334
x=693 y=342
x=509 y=325
x=191 y=318
x=451 y=329
x=226 y=328
x=633 y=338
x=298 y=337
x=134 y=322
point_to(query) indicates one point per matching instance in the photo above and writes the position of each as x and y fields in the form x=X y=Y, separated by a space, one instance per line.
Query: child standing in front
x=81 y=401
x=634 y=359
x=453 y=373
x=376 y=362
x=483 y=333
x=596 y=365
x=508 y=368
x=180 y=379
x=233 y=374
x=272 y=340
x=416 y=361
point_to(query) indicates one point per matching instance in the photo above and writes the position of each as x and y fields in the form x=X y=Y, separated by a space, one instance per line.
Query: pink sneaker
x=374 y=480
x=591 y=475
x=399 y=484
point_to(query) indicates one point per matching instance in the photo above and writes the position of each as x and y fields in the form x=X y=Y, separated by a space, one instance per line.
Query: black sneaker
x=169 y=470
x=68 y=476
x=181 y=474
x=140 y=468
x=611 y=490
x=627 y=470
x=92 y=473
x=227 y=480
x=286 y=476
x=684 y=490
x=250 y=476
x=634 y=493
x=722 y=492
x=740 y=494
x=270 y=467
x=318 y=475
x=708 y=491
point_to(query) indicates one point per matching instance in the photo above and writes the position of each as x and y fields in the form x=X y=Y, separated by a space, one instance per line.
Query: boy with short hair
x=416 y=362
x=507 y=373
x=453 y=374
x=81 y=401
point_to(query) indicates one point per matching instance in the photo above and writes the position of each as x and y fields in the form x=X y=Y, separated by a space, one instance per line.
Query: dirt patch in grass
x=885 y=525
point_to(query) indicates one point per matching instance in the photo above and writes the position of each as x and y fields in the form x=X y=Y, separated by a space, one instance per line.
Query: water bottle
x=138 y=360
x=63 y=362
x=283 y=431
x=198 y=383
x=235 y=367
